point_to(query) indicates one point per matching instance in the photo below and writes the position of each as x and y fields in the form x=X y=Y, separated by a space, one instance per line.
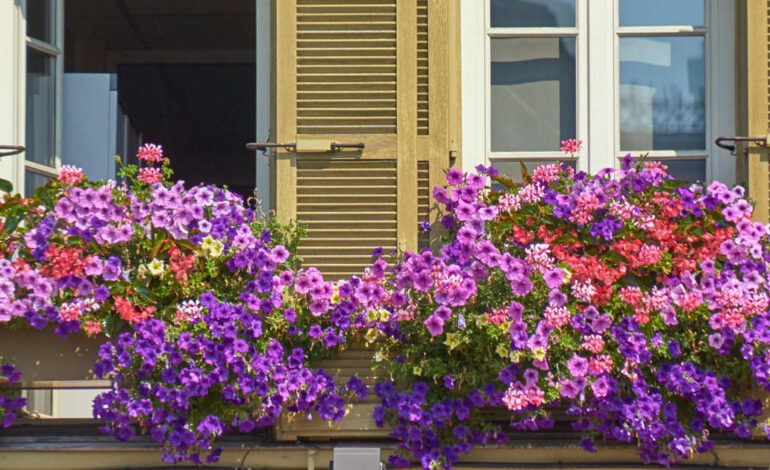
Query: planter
x=357 y=423
x=45 y=359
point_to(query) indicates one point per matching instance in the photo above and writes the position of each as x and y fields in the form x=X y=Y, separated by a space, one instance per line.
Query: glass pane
x=687 y=170
x=512 y=169
x=662 y=93
x=661 y=12
x=533 y=101
x=33 y=180
x=41 y=91
x=532 y=13
x=39 y=15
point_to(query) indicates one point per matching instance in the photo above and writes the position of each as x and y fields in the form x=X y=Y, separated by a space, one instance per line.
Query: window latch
x=306 y=146
x=9 y=150
x=721 y=142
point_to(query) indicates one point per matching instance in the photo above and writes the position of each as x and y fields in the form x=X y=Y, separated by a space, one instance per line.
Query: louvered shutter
x=369 y=71
x=754 y=90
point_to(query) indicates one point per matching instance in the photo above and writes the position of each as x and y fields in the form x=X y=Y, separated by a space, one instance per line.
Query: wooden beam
x=758 y=105
x=406 y=92
x=55 y=453
x=286 y=111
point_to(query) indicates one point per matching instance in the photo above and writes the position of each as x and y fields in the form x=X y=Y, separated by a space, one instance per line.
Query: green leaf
x=145 y=292
x=617 y=257
x=42 y=194
x=505 y=181
x=185 y=244
x=673 y=184
x=10 y=224
x=158 y=245
x=525 y=173
x=6 y=186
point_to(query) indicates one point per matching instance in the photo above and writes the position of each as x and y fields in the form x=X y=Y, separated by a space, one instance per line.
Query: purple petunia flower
x=435 y=325
x=554 y=278
x=455 y=176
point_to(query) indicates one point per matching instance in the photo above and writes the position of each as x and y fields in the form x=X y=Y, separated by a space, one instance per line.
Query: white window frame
x=597 y=71
x=12 y=48
x=579 y=33
x=55 y=50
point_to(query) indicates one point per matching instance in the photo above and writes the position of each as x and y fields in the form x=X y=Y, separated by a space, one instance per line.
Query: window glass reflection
x=33 y=180
x=533 y=95
x=662 y=93
x=532 y=13
x=40 y=97
x=661 y=12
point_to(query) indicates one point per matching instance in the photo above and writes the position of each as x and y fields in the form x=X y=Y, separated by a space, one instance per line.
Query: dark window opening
x=184 y=75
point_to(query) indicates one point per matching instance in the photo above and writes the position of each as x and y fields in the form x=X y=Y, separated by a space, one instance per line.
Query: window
x=649 y=77
x=533 y=88
x=662 y=83
x=43 y=81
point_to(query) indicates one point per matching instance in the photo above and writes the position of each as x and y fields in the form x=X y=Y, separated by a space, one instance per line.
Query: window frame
x=53 y=50
x=579 y=33
x=673 y=31
x=598 y=70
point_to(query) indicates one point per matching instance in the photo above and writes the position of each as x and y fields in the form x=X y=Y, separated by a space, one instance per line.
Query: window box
x=358 y=422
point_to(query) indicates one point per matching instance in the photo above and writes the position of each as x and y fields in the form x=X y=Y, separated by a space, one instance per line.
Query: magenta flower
x=554 y=278
x=455 y=176
x=435 y=325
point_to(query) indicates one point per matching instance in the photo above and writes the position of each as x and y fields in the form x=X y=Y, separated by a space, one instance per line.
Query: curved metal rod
x=720 y=142
x=11 y=150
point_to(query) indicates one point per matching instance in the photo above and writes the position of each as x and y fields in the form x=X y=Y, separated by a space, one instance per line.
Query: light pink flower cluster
x=600 y=364
x=150 y=153
x=571 y=146
x=593 y=343
x=70 y=174
x=557 y=317
x=189 y=311
x=150 y=175
x=518 y=397
x=509 y=202
x=547 y=173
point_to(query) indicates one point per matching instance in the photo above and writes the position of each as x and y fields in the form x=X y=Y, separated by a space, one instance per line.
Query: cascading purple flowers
x=637 y=304
x=10 y=402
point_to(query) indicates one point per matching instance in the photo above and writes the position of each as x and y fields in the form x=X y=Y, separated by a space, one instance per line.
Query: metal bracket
x=763 y=141
x=306 y=146
x=10 y=150
x=270 y=145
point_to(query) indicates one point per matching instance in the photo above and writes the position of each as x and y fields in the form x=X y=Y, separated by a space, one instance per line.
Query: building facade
x=364 y=104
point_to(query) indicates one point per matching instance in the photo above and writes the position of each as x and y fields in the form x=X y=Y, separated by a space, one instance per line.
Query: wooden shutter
x=369 y=71
x=754 y=88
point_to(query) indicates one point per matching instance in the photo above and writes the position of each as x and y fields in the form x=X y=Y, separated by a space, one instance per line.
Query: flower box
x=45 y=359
x=357 y=423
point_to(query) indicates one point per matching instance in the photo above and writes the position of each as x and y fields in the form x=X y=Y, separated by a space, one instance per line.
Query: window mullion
x=601 y=85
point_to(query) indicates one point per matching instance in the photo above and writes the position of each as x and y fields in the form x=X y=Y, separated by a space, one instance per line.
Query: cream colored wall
x=12 y=33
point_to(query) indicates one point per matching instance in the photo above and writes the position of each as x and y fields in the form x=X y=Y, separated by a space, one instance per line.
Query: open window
x=95 y=79
x=178 y=73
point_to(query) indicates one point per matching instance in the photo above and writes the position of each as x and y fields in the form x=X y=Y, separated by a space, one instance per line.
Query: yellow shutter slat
x=345 y=49
x=349 y=208
x=423 y=201
x=423 y=123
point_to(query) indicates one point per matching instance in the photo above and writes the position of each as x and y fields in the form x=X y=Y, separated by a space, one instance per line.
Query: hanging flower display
x=632 y=303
